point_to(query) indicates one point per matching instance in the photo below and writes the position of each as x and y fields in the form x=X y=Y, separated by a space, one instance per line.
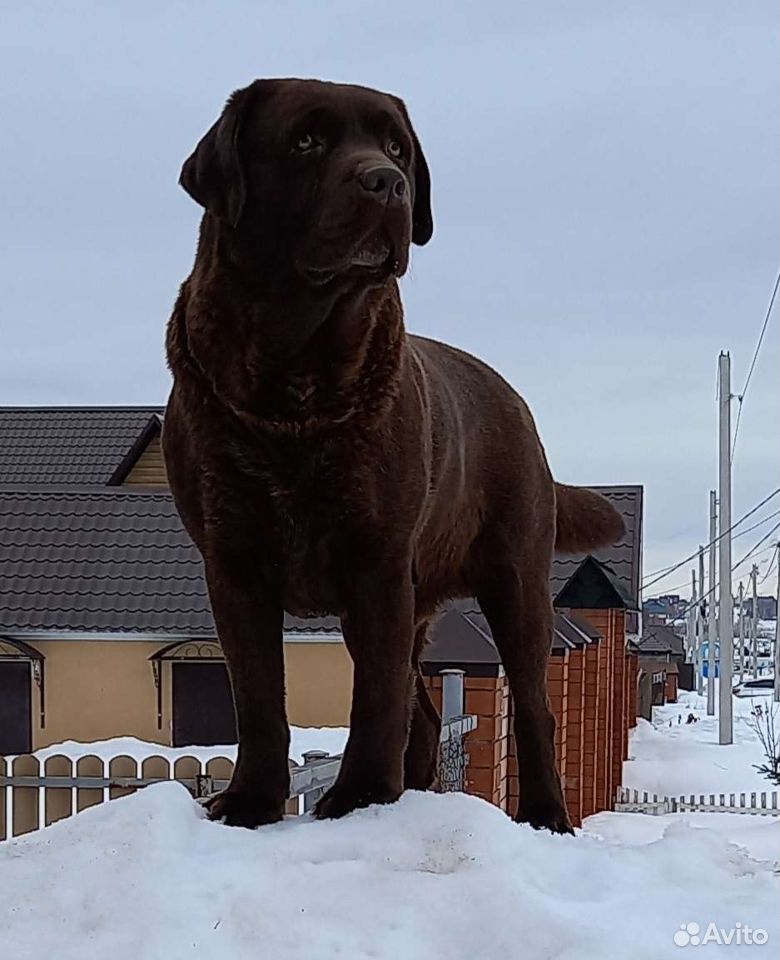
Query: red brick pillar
x=628 y=721
x=602 y=621
x=618 y=618
x=487 y=746
x=590 y=727
x=573 y=769
x=633 y=689
x=557 y=691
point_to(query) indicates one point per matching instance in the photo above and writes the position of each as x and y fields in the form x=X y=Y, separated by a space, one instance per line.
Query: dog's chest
x=308 y=501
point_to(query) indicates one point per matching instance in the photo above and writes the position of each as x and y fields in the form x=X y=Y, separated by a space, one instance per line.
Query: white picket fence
x=763 y=803
x=34 y=794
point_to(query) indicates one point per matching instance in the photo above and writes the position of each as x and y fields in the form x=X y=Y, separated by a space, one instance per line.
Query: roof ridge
x=82 y=408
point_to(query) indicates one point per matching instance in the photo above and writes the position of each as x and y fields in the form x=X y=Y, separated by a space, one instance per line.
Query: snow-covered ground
x=759 y=835
x=429 y=877
x=673 y=758
x=302 y=739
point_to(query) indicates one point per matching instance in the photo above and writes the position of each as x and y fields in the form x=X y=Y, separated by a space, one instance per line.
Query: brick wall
x=593 y=654
x=619 y=725
x=593 y=695
x=572 y=767
x=633 y=690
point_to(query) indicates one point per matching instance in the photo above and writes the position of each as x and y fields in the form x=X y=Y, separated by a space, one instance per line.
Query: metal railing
x=453 y=758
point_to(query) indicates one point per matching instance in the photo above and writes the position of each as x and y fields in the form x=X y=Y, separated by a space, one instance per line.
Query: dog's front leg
x=249 y=626
x=378 y=631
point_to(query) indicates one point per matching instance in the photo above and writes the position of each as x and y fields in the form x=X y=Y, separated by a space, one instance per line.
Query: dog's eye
x=305 y=143
x=394 y=148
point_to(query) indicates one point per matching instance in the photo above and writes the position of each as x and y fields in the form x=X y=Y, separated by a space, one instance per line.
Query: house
x=766 y=606
x=664 y=608
x=661 y=661
x=106 y=629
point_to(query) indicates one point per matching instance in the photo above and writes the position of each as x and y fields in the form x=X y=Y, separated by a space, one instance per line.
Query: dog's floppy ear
x=422 y=215
x=213 y=174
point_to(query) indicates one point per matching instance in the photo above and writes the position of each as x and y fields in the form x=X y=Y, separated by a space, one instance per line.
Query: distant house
x=661 y=642
x=664 y=608
x=105 y=623
x=661 y=659
x=767 y=608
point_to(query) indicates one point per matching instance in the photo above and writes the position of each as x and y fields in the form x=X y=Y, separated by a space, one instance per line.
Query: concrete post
x=725 y=601
x=452 y=696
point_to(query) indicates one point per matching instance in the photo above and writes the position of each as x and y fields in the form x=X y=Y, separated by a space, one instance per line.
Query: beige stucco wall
x=319 y=684
x=98 y=689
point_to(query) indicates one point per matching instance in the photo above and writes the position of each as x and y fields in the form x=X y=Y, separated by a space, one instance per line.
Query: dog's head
x=328 y=178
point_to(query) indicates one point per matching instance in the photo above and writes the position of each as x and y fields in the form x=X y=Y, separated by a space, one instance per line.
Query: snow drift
x=429 y=877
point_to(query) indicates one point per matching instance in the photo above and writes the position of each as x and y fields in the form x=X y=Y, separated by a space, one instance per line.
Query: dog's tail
x=584 y=520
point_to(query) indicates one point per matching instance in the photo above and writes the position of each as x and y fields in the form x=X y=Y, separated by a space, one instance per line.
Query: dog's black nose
x=386 y=184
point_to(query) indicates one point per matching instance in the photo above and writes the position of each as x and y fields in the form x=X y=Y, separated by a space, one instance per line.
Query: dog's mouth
x=373 y=259
x=372 y=254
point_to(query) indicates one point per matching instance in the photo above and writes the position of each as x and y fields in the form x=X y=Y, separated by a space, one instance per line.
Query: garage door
x=202 y=705
x=15 y=709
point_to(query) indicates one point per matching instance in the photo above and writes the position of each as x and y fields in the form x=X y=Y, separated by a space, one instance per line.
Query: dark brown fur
x=324 y=461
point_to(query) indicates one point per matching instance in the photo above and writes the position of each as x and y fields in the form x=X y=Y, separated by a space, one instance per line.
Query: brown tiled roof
x=461 y=637
x=113 y=560
x=624 y=559
x=658 y=638
x=77 y=556
x=67 y=445
x=106 y=561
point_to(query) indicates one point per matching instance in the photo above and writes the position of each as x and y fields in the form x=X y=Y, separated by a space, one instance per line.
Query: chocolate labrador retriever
x=325 y=461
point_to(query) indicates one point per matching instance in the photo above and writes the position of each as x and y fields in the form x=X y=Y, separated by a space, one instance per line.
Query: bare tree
x=763 y=722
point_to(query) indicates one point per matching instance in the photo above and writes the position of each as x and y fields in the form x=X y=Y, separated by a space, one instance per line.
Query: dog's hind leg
x=514 y=594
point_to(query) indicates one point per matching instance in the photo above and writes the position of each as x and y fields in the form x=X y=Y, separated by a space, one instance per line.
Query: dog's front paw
x=240 y=808
x=344 y=797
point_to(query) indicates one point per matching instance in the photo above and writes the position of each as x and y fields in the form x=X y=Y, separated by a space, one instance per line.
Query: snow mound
x=429 y=877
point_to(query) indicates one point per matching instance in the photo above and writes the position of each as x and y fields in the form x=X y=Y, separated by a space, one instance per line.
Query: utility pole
x=712 y=633
x=754 y=620
x=777 y=631
x=700 y=627
x=690 y=621
x=741 y=631
x=725 y=604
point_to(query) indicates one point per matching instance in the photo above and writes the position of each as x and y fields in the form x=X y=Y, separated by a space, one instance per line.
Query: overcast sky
x=605 y=186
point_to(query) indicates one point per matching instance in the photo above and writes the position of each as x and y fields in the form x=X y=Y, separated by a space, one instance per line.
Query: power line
x=741 y=396
x=751 y=553
x=771 y=566
x=665 y=571
x=755 y=547
x=742 y=533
